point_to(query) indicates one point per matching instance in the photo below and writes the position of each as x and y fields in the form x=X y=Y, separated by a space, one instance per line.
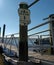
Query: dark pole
x=33 y=3
x=23 y=42
x=0 y=31
x=24 y=14
x=3 y=33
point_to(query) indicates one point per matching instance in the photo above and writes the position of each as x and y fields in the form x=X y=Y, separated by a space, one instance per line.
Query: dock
x=33 y=56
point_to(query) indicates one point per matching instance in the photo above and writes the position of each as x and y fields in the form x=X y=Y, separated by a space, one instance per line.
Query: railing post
x=51 y=24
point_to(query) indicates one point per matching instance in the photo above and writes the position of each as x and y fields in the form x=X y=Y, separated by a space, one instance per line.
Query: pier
x=11 y=52
x=28 y=47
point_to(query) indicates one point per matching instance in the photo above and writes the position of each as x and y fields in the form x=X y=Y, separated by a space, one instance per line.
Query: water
x=31 y=45
x=15 y=41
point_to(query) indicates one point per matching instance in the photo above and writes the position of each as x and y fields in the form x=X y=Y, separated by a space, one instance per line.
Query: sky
x=9 y=14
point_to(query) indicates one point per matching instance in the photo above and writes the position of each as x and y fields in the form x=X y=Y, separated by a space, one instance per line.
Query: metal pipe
x=12 y=34
x=33 y=3
x=33 y=27
x=39 y=25
x=39 y=32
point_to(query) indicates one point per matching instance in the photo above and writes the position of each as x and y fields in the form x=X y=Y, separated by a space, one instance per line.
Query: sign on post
x=24 y=16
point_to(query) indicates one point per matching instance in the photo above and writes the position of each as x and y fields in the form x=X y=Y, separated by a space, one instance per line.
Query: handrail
x=31 y=34
x=39 y=25
x=39 y=32
x=32 y=27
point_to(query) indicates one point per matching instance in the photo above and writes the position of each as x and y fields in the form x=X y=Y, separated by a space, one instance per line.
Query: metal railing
x=11 y=38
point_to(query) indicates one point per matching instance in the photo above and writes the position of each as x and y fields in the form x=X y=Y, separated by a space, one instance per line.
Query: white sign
x=24 y=16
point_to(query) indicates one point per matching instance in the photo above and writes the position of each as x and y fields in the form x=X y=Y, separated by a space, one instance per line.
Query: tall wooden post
x=24 y=17
x=24 y=21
